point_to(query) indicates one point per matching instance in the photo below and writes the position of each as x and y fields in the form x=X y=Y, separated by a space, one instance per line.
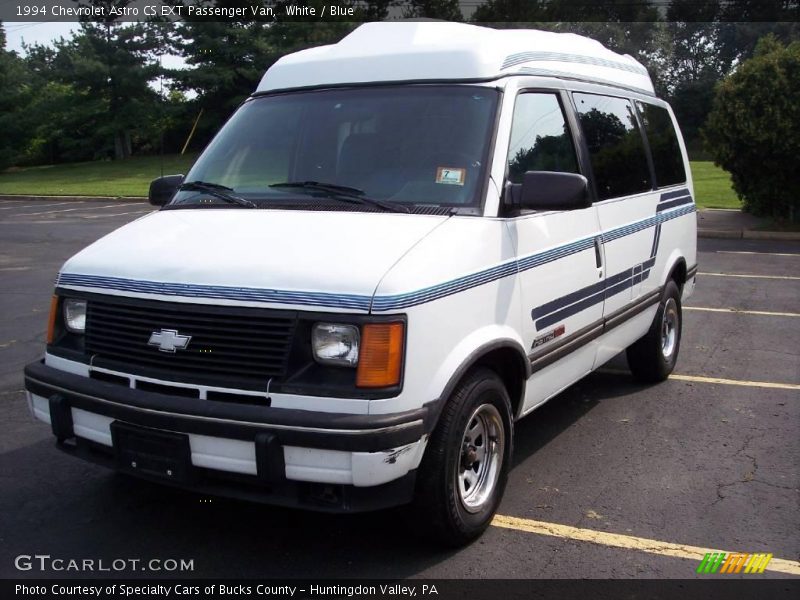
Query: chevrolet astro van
x=397 y=247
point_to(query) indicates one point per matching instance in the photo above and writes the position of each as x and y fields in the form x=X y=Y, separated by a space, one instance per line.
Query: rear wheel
x=653 y=357
x=463 y=474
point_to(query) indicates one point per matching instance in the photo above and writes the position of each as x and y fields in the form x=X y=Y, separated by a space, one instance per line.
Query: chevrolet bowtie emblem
x=169 y=340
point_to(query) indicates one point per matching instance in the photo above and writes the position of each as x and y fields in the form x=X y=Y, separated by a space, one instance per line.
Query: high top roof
x=437 y=51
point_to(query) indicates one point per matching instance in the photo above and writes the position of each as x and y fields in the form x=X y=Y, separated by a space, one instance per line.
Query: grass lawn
x=712 y=186
x=132 y=177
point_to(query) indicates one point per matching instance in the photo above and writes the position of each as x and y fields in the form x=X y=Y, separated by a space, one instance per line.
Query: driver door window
x=540 y=138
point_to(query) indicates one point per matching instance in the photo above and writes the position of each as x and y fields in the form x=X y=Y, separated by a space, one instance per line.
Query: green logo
x=734 y=562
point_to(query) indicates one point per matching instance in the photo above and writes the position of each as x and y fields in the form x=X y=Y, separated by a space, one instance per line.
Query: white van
x=396 y=247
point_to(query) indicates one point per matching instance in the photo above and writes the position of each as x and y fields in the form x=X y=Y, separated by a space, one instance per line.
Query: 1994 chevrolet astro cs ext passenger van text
x=396 y=247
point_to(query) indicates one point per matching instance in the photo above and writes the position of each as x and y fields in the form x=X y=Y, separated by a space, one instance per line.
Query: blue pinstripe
x=217 y=291
x=363 y=302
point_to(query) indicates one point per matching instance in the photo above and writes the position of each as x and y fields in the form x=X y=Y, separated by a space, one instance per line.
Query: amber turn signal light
x=381 y=356
x=51 y=323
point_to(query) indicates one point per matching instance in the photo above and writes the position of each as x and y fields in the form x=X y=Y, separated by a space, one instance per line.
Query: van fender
x=676 y=257
x=467 y=353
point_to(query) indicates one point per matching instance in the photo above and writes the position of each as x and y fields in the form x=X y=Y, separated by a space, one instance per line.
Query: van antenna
x=161 y=94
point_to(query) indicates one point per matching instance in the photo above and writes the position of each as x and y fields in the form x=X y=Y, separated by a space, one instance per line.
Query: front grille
x=243 y=345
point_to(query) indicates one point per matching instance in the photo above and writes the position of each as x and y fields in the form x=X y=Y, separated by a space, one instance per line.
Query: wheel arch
x=678 y=272
x=506 y=358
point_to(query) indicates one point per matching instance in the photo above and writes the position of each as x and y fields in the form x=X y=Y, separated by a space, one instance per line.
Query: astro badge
x=451 y=175
x=549 y=336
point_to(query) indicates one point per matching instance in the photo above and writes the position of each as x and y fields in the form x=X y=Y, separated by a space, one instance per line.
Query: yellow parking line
x=765 y=313
x=744 y=383
x=749 y=276
x=717 y=380
x=628 y=542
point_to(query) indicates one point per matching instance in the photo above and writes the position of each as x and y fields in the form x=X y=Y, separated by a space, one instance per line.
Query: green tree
x=705 y=41
x=228 y=59
x=447 y=10
x=14 y=96
x=686 y=50
x=564 y=11
x=753 y=130
x=623 y=26
x=93 y=95
x=548 y=153
x=499 y=11
x=113 y=62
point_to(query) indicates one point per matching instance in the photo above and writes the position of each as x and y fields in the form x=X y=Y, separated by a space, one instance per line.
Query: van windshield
x=395 y=146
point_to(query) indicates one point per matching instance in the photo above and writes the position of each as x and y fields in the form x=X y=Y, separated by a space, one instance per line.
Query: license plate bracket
x=152 y=452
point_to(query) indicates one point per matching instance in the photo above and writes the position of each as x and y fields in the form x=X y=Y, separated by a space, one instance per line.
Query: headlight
x=334 y=344
x=75 y=315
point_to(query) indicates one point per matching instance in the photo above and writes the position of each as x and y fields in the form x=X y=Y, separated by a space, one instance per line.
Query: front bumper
x=323 y=461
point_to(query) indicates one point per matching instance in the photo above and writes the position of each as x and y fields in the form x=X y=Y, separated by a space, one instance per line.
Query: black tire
x=653 y=357
x=441 y=510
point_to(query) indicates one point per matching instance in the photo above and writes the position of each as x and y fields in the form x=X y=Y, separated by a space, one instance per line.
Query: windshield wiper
x=218 y=191
x=344 y=193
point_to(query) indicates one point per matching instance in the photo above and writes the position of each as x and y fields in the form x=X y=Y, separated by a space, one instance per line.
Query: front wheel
x=653 y=357
x=463 y=474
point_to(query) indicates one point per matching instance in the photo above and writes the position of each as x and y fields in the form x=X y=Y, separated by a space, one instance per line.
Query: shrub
x=753 y=130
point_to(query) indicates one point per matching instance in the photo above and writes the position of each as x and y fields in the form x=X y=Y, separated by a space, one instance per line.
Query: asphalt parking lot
x=611 y=479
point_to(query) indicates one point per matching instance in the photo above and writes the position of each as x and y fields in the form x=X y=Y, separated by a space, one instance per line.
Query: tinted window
x=616 y=149
x=540 y=139
x=408 y=144
x=664 y=147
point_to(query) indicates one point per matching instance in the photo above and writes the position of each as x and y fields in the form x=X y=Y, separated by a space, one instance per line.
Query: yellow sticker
x=451 y=175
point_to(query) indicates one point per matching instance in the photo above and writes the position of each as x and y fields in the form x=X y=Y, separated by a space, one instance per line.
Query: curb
x=727 y=234
x=72 y=198
x=748 y=234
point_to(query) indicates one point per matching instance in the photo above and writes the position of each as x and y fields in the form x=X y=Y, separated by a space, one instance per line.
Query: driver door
x=560 y=268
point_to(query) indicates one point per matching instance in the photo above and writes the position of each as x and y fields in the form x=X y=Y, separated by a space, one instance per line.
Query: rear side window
x=664 y=147
x=540 y=139
x=616 y=148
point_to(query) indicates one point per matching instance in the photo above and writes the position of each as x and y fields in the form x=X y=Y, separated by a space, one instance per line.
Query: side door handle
x=598 y=256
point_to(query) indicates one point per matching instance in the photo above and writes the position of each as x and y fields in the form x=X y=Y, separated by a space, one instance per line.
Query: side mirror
x=163 y=189
x=546 y=190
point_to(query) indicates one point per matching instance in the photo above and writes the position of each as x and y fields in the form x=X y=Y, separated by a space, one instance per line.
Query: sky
x=41 y=33
x=47 y=33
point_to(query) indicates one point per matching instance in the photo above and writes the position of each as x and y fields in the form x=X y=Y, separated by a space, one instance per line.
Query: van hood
x=288 y=258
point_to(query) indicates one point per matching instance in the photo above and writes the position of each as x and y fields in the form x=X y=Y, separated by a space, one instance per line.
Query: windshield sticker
x=451 y=175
